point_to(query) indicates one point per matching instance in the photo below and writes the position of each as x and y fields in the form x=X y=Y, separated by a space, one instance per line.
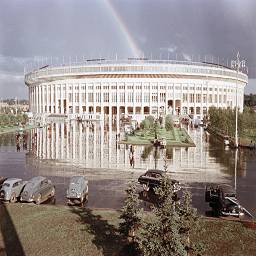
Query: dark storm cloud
x=183 y=28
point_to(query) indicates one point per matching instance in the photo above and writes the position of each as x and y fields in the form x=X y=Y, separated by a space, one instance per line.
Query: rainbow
x=136 y=52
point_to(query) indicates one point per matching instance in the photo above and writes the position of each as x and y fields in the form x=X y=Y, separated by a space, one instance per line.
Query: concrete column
x=67 y=99
x=44 y=99
x=36 y=99
x=47 y=98
x=73 y=98
x=80 y=99
x=87 y=99
x=117 y=109
x=56 y=98
x=110 y=109
x=61 y=99
x=125 y=100
x=52 y=141
x=31 y=99
x=101 y=103
x=202 y=98
x=52 y=88
x=94 y=98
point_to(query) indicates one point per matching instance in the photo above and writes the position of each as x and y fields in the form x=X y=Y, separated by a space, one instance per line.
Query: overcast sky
x=32 y=29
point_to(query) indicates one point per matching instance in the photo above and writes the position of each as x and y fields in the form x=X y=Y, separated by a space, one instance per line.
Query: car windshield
x=153 y=175
x=6 y=185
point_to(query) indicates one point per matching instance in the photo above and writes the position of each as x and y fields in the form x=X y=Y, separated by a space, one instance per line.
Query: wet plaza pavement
x=61 y=150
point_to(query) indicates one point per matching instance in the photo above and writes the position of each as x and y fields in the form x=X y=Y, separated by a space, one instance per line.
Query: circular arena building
x=135 y=87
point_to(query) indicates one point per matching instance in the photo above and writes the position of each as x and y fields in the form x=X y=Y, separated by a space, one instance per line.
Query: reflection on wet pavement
x=61 y=150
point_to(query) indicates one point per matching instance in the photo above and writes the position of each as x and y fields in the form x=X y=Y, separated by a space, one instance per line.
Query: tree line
x=223 y=120
x=11 y=119
x=250 y=100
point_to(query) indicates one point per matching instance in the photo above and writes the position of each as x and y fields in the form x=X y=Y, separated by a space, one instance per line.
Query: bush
x=168 y=123
x=145 y=124
x=151 y=121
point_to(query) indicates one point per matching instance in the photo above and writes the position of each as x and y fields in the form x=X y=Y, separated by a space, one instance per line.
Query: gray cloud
x=189 y=29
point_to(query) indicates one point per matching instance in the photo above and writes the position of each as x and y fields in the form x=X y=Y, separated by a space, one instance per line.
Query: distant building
x=134 y=87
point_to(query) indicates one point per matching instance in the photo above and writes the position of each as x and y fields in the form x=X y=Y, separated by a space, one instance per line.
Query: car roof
x=12 y=180
x=155 y=171
x=77 y=179
x=37 y=179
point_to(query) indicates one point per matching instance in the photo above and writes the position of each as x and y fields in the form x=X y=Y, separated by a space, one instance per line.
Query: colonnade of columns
x=79 y=99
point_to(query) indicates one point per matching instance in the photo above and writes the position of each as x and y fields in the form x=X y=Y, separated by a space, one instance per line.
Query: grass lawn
x=174 y=137
x=60 y=230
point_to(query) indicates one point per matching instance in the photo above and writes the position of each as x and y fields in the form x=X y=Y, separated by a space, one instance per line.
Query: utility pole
x=237 y=64
x=16 y=100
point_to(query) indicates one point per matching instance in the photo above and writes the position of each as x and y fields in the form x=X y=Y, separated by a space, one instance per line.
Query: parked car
x=77 y=190
x=38 y=190
x=152 y=178
x=11 y=189
x=222 y=199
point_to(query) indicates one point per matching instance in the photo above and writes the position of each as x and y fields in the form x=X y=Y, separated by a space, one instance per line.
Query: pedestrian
x=18 y=147
x=131 y=159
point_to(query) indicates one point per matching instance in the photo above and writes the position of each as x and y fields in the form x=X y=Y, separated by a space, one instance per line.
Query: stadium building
x=134 y=87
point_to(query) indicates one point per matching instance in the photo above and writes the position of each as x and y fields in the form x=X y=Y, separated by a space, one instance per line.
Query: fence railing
x=148 y=67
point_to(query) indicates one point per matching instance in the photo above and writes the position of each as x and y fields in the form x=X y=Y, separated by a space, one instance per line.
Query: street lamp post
x=237 y=64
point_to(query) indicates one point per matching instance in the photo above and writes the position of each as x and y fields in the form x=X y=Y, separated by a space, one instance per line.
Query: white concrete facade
x=134 y=88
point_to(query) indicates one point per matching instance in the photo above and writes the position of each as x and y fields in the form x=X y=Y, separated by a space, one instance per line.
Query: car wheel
x=38 y=199
x=52 y=192
x=13 y=198
x=145 y=187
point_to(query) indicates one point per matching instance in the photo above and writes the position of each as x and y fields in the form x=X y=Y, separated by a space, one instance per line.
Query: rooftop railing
x=134 y=66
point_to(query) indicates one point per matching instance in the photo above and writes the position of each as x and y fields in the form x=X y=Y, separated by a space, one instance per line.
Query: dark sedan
x=152 y=178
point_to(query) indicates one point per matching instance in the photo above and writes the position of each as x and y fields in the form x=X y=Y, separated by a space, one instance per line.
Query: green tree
x=145 y=124
x=167 y=229
x=131 y=213
x=168 y=122
x=156 y=128
x=151 y=121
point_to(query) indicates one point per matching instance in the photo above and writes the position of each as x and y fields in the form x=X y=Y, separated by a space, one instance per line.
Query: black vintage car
x=152 y=178
x=222 y=199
